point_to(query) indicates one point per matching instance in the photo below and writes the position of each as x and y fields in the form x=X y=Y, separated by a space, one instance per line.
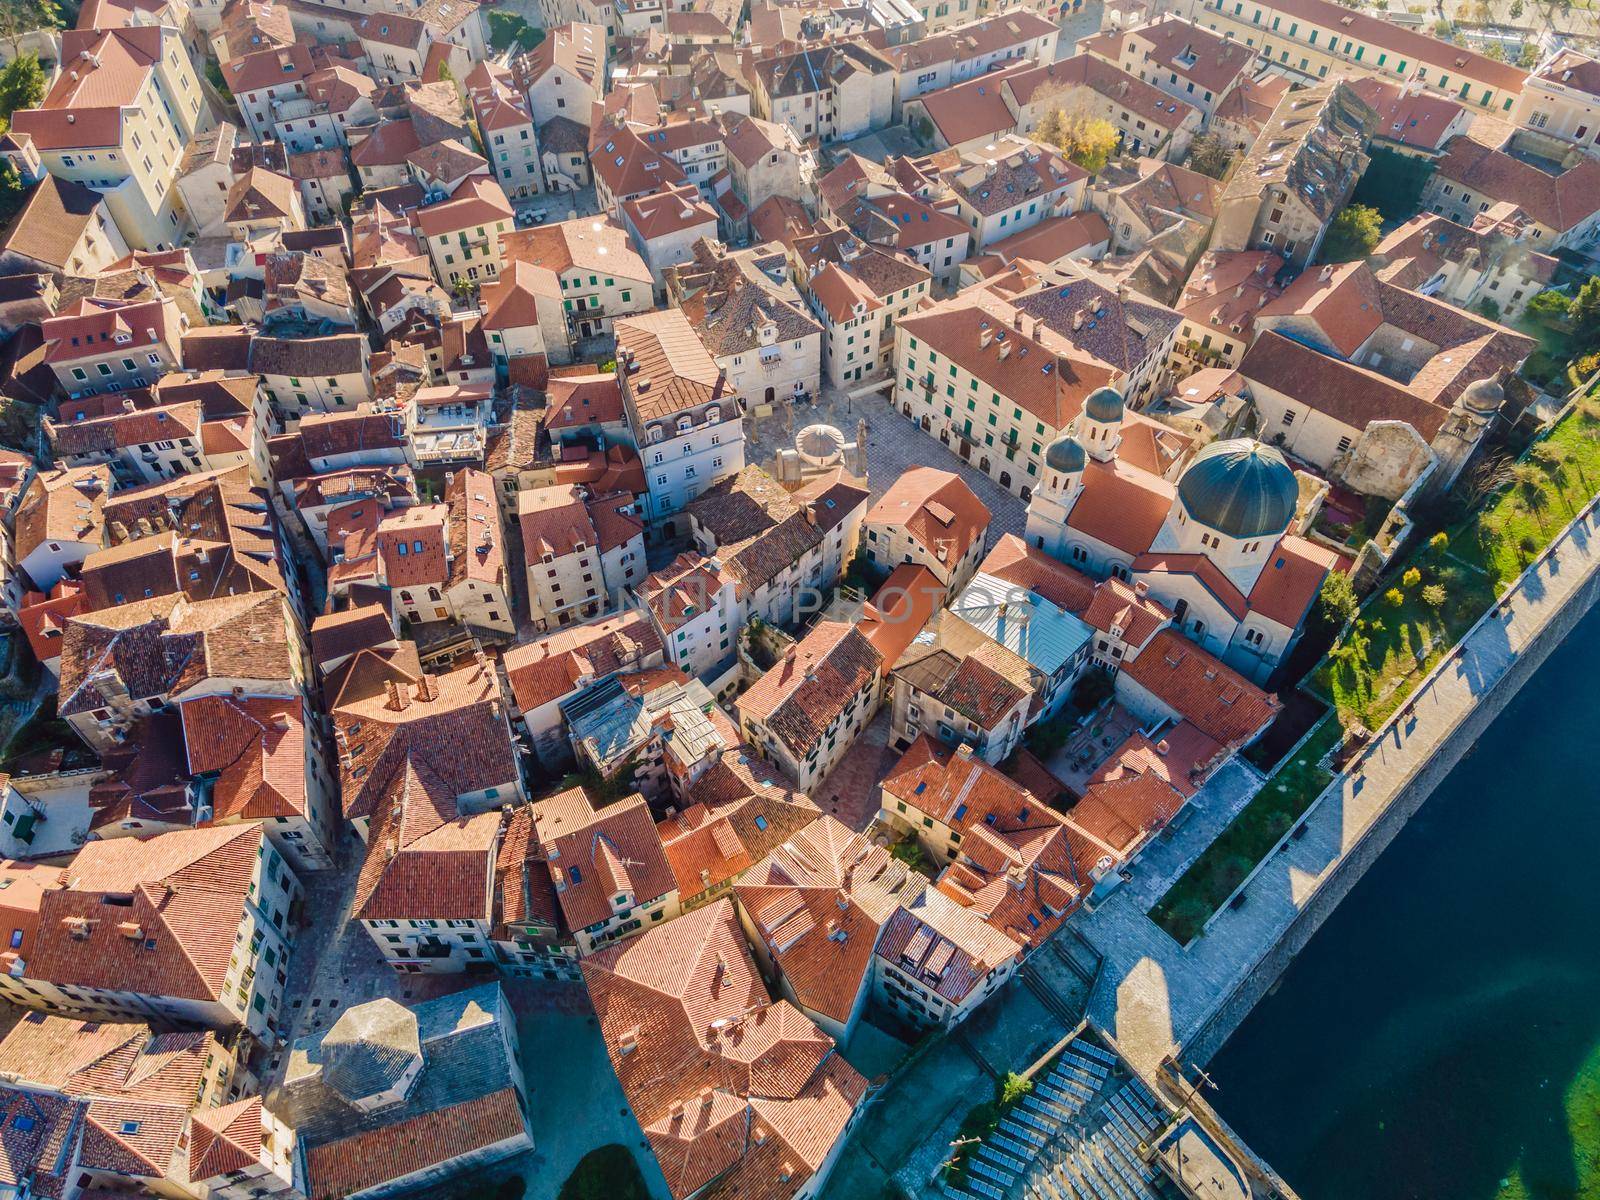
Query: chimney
x=1141 y=589
x=398 y=701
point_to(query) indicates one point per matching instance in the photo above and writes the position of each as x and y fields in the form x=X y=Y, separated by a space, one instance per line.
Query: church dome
x=1240 y=488
x=1103 y=404
x=1065 y=455
x=1483 y=397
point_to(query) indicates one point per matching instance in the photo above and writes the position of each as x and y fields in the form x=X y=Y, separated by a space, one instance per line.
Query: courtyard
x=894 y=446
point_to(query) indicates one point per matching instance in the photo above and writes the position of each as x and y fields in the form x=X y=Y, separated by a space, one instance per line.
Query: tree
x=1439 y=542
x=21 y=86
x=1584 y=312
x=1411 y=578
x=1394 y=597
x=1516 y=10
x=1336 y=601
x=1550 y=306
x=1353 y=234
x=1434 y=596
x=12 y=192
x=1013 y=1088
x=1210 y=155
x=1489 y=308
x=1087 y=140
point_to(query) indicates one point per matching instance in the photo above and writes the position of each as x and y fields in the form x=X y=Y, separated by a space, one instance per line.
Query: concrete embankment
x=1159 y=999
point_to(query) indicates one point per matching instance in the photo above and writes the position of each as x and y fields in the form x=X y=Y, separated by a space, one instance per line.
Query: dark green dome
x=1065 y=454
x=1103 y=404
x=1240 y=488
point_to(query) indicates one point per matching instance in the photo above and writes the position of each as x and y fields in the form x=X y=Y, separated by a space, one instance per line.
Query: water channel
x=1439 y=1038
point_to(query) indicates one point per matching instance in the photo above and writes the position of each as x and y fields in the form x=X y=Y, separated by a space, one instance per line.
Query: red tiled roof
x=188 y=893
x=936 y=508
x=1218 y=701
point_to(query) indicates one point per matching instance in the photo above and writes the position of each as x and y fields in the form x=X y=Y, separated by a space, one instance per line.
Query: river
x=1439 y=1038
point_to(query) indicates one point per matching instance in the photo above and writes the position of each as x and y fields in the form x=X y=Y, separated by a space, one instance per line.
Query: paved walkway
x=1153 y=995
x=851 y=791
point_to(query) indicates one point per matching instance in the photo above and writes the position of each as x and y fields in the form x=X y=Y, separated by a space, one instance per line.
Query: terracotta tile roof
x=1124 y=812
x=1217 y=700
x=512 y=301
x=385 y=715
x=1182 y=759
x=225 y=1139
x=188 y=892
x=615 y=520
x=1573 y=70
x=575 y=47
x=166 y=645
x=84 y=106
x=668 y=212
x=1110 y=82
x=1560 y=202
x=971 y=110
x=1192 y=52
x=39 y=1138
x=1034 y=776
x=628 y=164
x=1410 y=118
x=1121 y=505
x=1289 y=583
x=596 y=854
x=53 y=220
x=524 y=894
x=62 y=505
x=555 y=521
x=392 y=1151
x=739 y=810
x=256 y=746
x=1350 y=394
x=1250 y=104
x=809 y=688
x=1130 y=609
x=899 y=609
x=545 y=670
x=1014 y=561
x=668 y=367
x=106 y=1060
x=726 y=1085
x=478 y=200
x=1038 y=369
x=426 y=861
x=1009 y=837
x=43 y=619
x=818 y=901
x=936 y=508
x=758 y=528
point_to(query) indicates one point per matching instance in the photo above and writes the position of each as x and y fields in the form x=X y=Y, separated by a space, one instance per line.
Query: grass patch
x=608 y=1173
x=1380 y=660
x=982 y=1120
x=1271 y=813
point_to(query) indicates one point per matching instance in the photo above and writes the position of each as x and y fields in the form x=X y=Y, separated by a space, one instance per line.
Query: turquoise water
x=1439 y=1038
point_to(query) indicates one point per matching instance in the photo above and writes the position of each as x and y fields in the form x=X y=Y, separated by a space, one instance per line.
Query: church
x=1214 y=548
